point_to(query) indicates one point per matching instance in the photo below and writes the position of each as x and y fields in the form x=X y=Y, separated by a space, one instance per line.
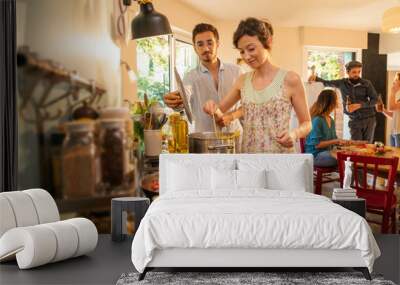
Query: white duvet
x=252 y=218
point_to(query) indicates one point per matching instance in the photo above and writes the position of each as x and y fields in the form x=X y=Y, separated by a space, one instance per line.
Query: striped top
x=266 y=114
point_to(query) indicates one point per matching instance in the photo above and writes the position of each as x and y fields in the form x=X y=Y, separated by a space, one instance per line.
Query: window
x=156 y=61
x=185 y=57
x=153 y=62
x=329 y=65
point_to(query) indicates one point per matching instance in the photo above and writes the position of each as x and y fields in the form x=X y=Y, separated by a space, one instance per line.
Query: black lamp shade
x=149 y=23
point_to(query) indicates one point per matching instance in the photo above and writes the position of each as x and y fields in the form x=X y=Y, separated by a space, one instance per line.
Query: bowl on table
x=150 y=185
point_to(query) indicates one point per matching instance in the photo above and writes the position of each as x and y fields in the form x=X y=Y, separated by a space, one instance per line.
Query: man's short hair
x=352 y=64
x=202 y=28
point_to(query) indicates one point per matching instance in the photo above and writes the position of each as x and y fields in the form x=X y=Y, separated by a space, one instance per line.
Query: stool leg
x=116 y=222
x=318 y=183
x=394 y=221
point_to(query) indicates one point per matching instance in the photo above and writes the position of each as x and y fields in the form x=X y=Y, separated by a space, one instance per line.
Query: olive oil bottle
x=179 y=143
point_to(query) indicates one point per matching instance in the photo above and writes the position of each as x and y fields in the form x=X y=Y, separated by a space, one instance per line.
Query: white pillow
x=281 y=173
x=278 y=180
x=251 y=178
x=223 y=179
x=184 y=177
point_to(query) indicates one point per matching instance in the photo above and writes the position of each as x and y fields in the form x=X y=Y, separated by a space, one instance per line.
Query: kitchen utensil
x=183 y=94
x=162 y=119
x=210 y=142
x=152 y=142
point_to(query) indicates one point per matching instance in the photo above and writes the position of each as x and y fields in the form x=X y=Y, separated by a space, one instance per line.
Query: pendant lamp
x=148 y=23
x=391 y=20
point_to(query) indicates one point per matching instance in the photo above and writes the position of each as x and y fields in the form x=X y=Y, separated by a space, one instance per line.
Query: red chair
x=321 y=174
x=381 y=202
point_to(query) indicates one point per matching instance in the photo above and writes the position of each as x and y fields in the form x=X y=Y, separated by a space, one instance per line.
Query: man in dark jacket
x=359 y=100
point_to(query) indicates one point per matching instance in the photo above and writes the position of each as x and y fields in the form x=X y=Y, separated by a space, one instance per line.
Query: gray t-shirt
x=200 y=88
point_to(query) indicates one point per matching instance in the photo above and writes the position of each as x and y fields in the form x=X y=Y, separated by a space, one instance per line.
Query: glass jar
x=178 y=143
x=79 y=161
x=114 y=154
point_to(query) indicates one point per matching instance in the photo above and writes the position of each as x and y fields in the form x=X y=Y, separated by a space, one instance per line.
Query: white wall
x=289 y=43
x=77 y=34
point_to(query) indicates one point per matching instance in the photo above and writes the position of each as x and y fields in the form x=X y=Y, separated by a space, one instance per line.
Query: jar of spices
x=79 y=160
x=114 y=157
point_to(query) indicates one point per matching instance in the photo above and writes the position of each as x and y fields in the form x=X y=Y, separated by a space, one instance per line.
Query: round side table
x=119 y=208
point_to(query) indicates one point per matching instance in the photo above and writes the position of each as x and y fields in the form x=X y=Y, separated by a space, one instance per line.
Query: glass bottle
x=114 y=157
x=348 y=102
x=180 y=131
x=379 y=103
x=79 y=161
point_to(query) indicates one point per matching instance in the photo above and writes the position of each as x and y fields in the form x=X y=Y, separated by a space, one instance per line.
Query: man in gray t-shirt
x=210 y=80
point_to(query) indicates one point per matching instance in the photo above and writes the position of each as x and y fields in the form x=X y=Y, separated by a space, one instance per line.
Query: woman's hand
x=210 y=107
x=285 y=139
x=226 y=120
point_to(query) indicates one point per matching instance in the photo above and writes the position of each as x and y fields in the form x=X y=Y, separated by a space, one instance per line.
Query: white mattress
x=252 y=219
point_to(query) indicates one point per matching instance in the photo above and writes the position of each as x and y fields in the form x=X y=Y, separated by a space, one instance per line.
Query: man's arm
x=330 y=83
x=174 y=99
x=372 y=95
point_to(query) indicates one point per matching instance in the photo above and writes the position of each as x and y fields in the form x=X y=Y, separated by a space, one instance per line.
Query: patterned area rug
x=243 y=278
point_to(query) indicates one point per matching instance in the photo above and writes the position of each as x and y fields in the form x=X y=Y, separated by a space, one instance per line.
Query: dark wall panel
x=8 y=117
x=375 y=70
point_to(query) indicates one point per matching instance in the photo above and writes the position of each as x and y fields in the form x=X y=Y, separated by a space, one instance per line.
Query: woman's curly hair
x=254 y=27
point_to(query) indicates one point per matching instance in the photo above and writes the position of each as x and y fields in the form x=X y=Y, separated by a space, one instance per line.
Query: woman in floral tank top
x=267 y=94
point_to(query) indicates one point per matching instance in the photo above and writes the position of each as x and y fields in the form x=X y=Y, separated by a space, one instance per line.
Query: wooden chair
x=321 y=174
x=379 y=201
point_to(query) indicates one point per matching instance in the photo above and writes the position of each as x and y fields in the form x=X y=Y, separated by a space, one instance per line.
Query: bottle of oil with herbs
x=180 y=130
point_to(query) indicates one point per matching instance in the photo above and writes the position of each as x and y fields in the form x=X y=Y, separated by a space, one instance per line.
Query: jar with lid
x=180 y=131
x=114 y=157
x=79 y=160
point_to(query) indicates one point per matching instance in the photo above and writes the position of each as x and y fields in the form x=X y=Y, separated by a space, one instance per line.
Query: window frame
x=183 y=37
x=307 y=48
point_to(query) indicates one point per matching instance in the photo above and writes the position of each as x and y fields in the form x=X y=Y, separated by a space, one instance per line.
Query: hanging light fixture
x=148 y=23
x=391 y=20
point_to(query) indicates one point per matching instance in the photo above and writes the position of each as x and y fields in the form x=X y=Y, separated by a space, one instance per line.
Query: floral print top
x=266 y=114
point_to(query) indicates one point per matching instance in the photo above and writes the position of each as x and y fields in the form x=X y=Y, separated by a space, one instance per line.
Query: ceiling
x=343 y=14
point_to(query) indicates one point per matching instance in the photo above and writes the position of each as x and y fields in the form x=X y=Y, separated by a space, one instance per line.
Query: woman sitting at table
x=323 y=137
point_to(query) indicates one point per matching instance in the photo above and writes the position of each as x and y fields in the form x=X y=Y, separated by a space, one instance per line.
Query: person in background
x=359 y=99
x=323 y=137
x=267 y=93
x=210 y=80
x=394 y=106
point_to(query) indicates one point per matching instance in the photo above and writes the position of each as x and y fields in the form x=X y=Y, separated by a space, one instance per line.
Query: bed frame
x=242 y=259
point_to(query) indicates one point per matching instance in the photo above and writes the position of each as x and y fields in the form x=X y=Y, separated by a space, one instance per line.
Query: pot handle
x=214 y=147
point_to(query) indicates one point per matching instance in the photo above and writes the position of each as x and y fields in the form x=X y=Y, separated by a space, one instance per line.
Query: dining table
x=368 y=150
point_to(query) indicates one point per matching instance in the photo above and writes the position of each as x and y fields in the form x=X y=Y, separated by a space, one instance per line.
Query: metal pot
x=209 y=142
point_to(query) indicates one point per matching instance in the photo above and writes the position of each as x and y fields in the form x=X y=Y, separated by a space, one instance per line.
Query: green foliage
x=156 y=52
x=328 y=64
x=155 y=89
x=157 y=48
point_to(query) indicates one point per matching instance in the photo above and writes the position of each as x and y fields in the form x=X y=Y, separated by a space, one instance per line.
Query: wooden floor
x=110 y=260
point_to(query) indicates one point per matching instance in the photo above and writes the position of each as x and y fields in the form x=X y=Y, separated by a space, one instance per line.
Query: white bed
x=209 y=226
